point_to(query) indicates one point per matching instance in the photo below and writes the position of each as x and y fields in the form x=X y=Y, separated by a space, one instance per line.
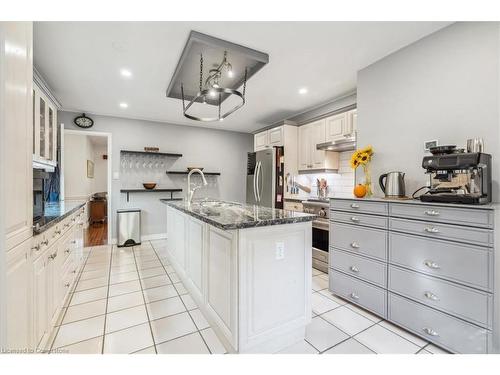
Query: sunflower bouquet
x=362 y=157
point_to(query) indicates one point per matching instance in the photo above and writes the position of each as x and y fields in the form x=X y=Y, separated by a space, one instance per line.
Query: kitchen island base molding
x=256 y=297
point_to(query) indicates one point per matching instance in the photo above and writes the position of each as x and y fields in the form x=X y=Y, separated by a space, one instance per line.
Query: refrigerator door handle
x=259 y=189
x=254 y=176
x=257 y=172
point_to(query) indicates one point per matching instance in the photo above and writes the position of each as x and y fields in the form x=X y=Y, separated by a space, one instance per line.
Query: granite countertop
x=54 y=213
x=231 y=215
x=489 y=206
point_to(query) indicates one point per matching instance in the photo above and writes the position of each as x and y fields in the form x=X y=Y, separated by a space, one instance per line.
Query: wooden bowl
x=149 y=185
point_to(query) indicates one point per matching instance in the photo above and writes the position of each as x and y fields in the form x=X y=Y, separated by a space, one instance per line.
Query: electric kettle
x=394 y=184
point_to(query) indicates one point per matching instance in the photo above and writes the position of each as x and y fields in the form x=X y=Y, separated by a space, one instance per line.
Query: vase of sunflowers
x=362 y=157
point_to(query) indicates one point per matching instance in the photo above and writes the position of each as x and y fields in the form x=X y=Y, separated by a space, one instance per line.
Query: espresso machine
x=458 y=178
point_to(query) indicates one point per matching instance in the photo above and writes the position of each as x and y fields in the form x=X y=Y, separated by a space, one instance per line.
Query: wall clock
x=83 y=121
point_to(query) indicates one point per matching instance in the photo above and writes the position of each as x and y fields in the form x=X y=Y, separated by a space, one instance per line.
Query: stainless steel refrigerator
x=265 y=180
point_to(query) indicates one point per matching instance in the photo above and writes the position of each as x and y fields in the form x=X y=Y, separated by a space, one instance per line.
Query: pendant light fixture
x=224 y=70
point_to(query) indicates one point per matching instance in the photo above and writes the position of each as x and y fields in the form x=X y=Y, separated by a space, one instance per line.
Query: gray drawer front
x=449 y=332
x=359 y=240
x=466 y=303
x=447 y=215
x=467 y=264
x=359 y=219
x=359 y=206
x=366 y=295
x=320 y=255
x=364 y=268
x=476 y=236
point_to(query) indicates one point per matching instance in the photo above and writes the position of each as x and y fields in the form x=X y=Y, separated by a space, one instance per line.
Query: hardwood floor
x=96 y=235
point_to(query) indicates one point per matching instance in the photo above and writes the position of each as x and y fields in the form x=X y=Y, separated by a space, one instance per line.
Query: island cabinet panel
x=221 y=279
x=274 y=288
x=195 y=251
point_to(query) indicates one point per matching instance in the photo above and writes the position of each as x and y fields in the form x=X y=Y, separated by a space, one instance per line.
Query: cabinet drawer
x=447 y=215
x=320 y=255
x=466 y=303
x=476 y=236
x=359 y=292
x=359 y=205
x=359 y=219
x=360 y=240
x=440 y=328
x=364 y=268
x=461 y=263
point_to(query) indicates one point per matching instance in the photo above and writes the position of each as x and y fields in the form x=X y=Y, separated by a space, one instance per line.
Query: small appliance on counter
x=393 y=184
x=458 y=177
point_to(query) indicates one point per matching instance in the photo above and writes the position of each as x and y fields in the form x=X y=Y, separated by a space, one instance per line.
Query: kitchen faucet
x=192 y=191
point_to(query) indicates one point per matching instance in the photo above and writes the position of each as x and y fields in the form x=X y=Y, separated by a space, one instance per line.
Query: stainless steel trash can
x=129 y=227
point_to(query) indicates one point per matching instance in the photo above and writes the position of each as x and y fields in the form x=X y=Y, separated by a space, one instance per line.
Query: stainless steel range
x=320 y=231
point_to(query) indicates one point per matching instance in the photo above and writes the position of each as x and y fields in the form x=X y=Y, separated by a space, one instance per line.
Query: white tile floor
x=130 y=300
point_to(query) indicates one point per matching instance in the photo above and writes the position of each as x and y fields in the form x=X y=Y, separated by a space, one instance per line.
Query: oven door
x=320 y=234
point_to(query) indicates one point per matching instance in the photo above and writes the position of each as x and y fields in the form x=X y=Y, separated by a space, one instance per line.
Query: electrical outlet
x=280 y=250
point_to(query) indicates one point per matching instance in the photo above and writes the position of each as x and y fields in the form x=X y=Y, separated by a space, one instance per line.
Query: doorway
x=86 y=175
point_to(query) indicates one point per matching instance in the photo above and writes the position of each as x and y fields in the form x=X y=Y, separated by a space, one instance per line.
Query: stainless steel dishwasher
x=129 y=227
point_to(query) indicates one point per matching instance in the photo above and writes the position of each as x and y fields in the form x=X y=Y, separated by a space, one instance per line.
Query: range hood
x=345 y=144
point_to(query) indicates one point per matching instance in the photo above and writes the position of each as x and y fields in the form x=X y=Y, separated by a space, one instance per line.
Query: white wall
x=100 y=181
x=77 y=150
x=215 y=150
x=445 y=87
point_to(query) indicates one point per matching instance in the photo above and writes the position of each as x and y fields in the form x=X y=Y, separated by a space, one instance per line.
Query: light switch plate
x=280 y=250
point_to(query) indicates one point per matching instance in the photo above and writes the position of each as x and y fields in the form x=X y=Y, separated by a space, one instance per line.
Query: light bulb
x=212 y=93
x=230 y=73
x=221 y=119
x=215 y=86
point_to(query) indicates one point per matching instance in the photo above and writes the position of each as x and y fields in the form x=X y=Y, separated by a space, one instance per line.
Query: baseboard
x=147 y=237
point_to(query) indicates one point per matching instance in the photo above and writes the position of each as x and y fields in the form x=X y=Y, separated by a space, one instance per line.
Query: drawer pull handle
x=430 y=332
x=66 y=251
x=432 y=213
x=45 y=243
x=73 y=242
x=354 y=296
x=66 y=285
x=36 y=248
x=431 y=296
x=431 y=230
x=431 y=264
x=354 y=219
x=354 y=245
x=354 y=205
x=52 y=256
x=354 y=269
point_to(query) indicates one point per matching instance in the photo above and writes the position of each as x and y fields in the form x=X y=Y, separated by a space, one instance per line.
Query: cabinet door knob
x=432 y=213
x=66 y=285
x=66 y=251
x=430 y=331
x=431 y=296
x=354 y=245
x=431 y=264
x=354 y=269
x=355 y=219
x=354 y=205
x=45 y=243
x=431 y=230
x=73 y=242
x=354 y=296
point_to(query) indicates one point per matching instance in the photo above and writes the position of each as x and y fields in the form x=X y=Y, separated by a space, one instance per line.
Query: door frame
x=108 y=135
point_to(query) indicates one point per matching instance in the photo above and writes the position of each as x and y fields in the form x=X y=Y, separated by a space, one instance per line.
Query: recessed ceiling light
x=126 y=73
x=303 y=90
x=123 y=105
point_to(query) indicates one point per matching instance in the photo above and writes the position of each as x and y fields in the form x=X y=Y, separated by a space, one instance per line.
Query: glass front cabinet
x=44 y=128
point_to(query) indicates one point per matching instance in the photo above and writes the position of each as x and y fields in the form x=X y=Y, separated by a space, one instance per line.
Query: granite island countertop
x=54 y=213
x=231 y=215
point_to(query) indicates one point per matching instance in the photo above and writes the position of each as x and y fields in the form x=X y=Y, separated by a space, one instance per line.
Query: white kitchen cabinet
x=310 y=158
x=18 y=287
x=41 y=296
x=44 y=128
x=261 y=141
x=195 y=248
x=341 y=125
x=16 y=80
x=275 y=136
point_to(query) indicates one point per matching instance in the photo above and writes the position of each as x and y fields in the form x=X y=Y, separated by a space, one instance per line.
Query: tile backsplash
x=340 y=183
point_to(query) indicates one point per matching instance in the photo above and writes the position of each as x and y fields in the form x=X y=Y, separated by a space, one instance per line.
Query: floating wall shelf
x=168 y=154
x=186 y=172
x=171 y=191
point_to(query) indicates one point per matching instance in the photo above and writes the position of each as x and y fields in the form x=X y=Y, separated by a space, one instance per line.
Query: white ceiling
x=81 y=62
